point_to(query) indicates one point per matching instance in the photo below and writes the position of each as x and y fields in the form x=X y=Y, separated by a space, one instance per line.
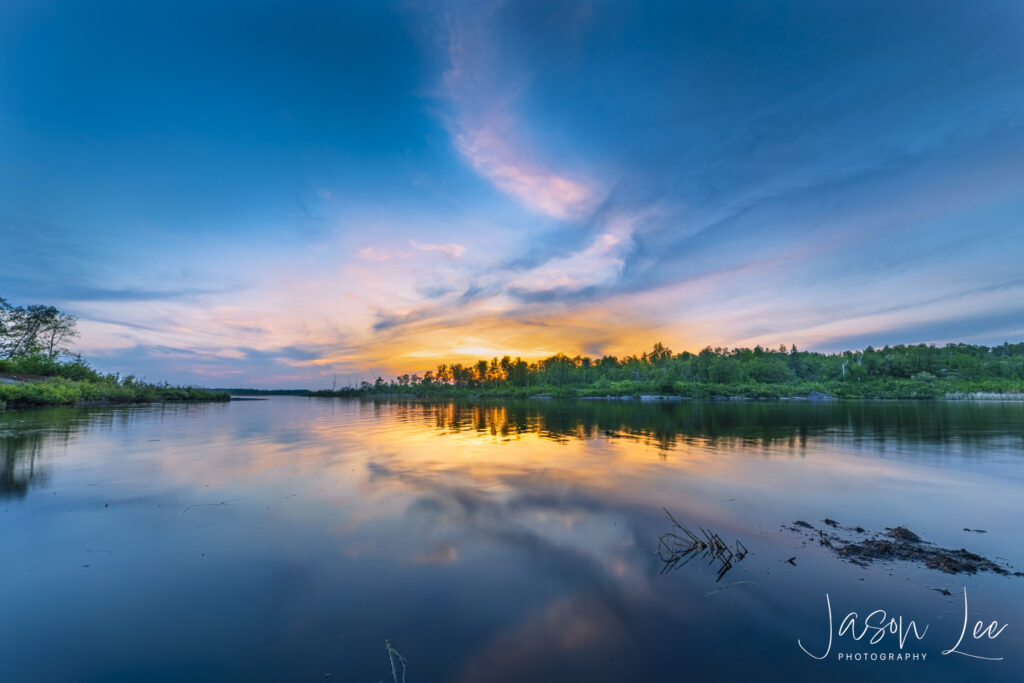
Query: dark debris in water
x=679 y=546
x=901 y=544
x=904 y=534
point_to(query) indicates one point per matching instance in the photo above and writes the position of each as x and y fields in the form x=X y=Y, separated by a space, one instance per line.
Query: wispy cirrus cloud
x=493 y=155
x=599 y=263
x=379 y=254
x=450 y=249
x=485 y=128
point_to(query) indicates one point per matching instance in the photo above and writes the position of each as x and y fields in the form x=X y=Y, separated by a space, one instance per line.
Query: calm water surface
x=286 y=539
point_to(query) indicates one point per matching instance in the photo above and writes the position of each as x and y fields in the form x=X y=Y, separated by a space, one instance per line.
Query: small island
x=37 y=368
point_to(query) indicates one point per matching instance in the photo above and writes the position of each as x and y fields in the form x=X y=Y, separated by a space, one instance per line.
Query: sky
x=278 y=194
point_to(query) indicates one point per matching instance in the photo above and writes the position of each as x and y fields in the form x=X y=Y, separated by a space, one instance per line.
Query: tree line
x=920 y=370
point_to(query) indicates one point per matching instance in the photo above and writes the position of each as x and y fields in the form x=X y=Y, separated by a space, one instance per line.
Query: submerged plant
x=393 y=656
x=677 y=547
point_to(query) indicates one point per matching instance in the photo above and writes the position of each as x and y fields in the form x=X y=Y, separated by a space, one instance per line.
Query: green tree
x=36 y=329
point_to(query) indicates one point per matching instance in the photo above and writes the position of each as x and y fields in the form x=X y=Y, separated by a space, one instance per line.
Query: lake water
x=287 y=539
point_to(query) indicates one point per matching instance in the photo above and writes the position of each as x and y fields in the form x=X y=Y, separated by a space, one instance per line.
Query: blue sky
x=275 y=193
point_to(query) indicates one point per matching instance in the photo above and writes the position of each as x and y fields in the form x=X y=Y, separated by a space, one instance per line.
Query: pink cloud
x=451 y=249
x=534 y=185
x=486 y=131
x=377 y=254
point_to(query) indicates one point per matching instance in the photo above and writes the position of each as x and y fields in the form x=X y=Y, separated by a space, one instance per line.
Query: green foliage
x=31 y=349
x=897 y=372
x=34 y=330
x=41 y=365
x=63 y=391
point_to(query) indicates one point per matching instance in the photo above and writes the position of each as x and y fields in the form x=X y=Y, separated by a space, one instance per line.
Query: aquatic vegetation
x=393 y=657
x=984 y=396
x=678 y=547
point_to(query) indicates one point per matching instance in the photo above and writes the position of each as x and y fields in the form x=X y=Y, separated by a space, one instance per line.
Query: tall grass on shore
x=984 y=396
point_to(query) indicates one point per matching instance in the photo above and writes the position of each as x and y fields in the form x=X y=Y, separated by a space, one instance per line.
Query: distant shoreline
x=253 y=394
x=38 y=395
x=916 y=372
x=953 y=372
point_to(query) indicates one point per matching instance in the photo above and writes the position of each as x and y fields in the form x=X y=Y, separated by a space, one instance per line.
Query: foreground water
x=286 y=539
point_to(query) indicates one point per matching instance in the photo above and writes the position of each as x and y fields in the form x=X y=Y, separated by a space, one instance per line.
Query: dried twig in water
x=210 y=505
x=394 y=655
x=729 y=585
x=677 y=547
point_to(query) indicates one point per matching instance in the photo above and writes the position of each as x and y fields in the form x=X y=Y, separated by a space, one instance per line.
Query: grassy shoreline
x=39 y=381
x=60 y=391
